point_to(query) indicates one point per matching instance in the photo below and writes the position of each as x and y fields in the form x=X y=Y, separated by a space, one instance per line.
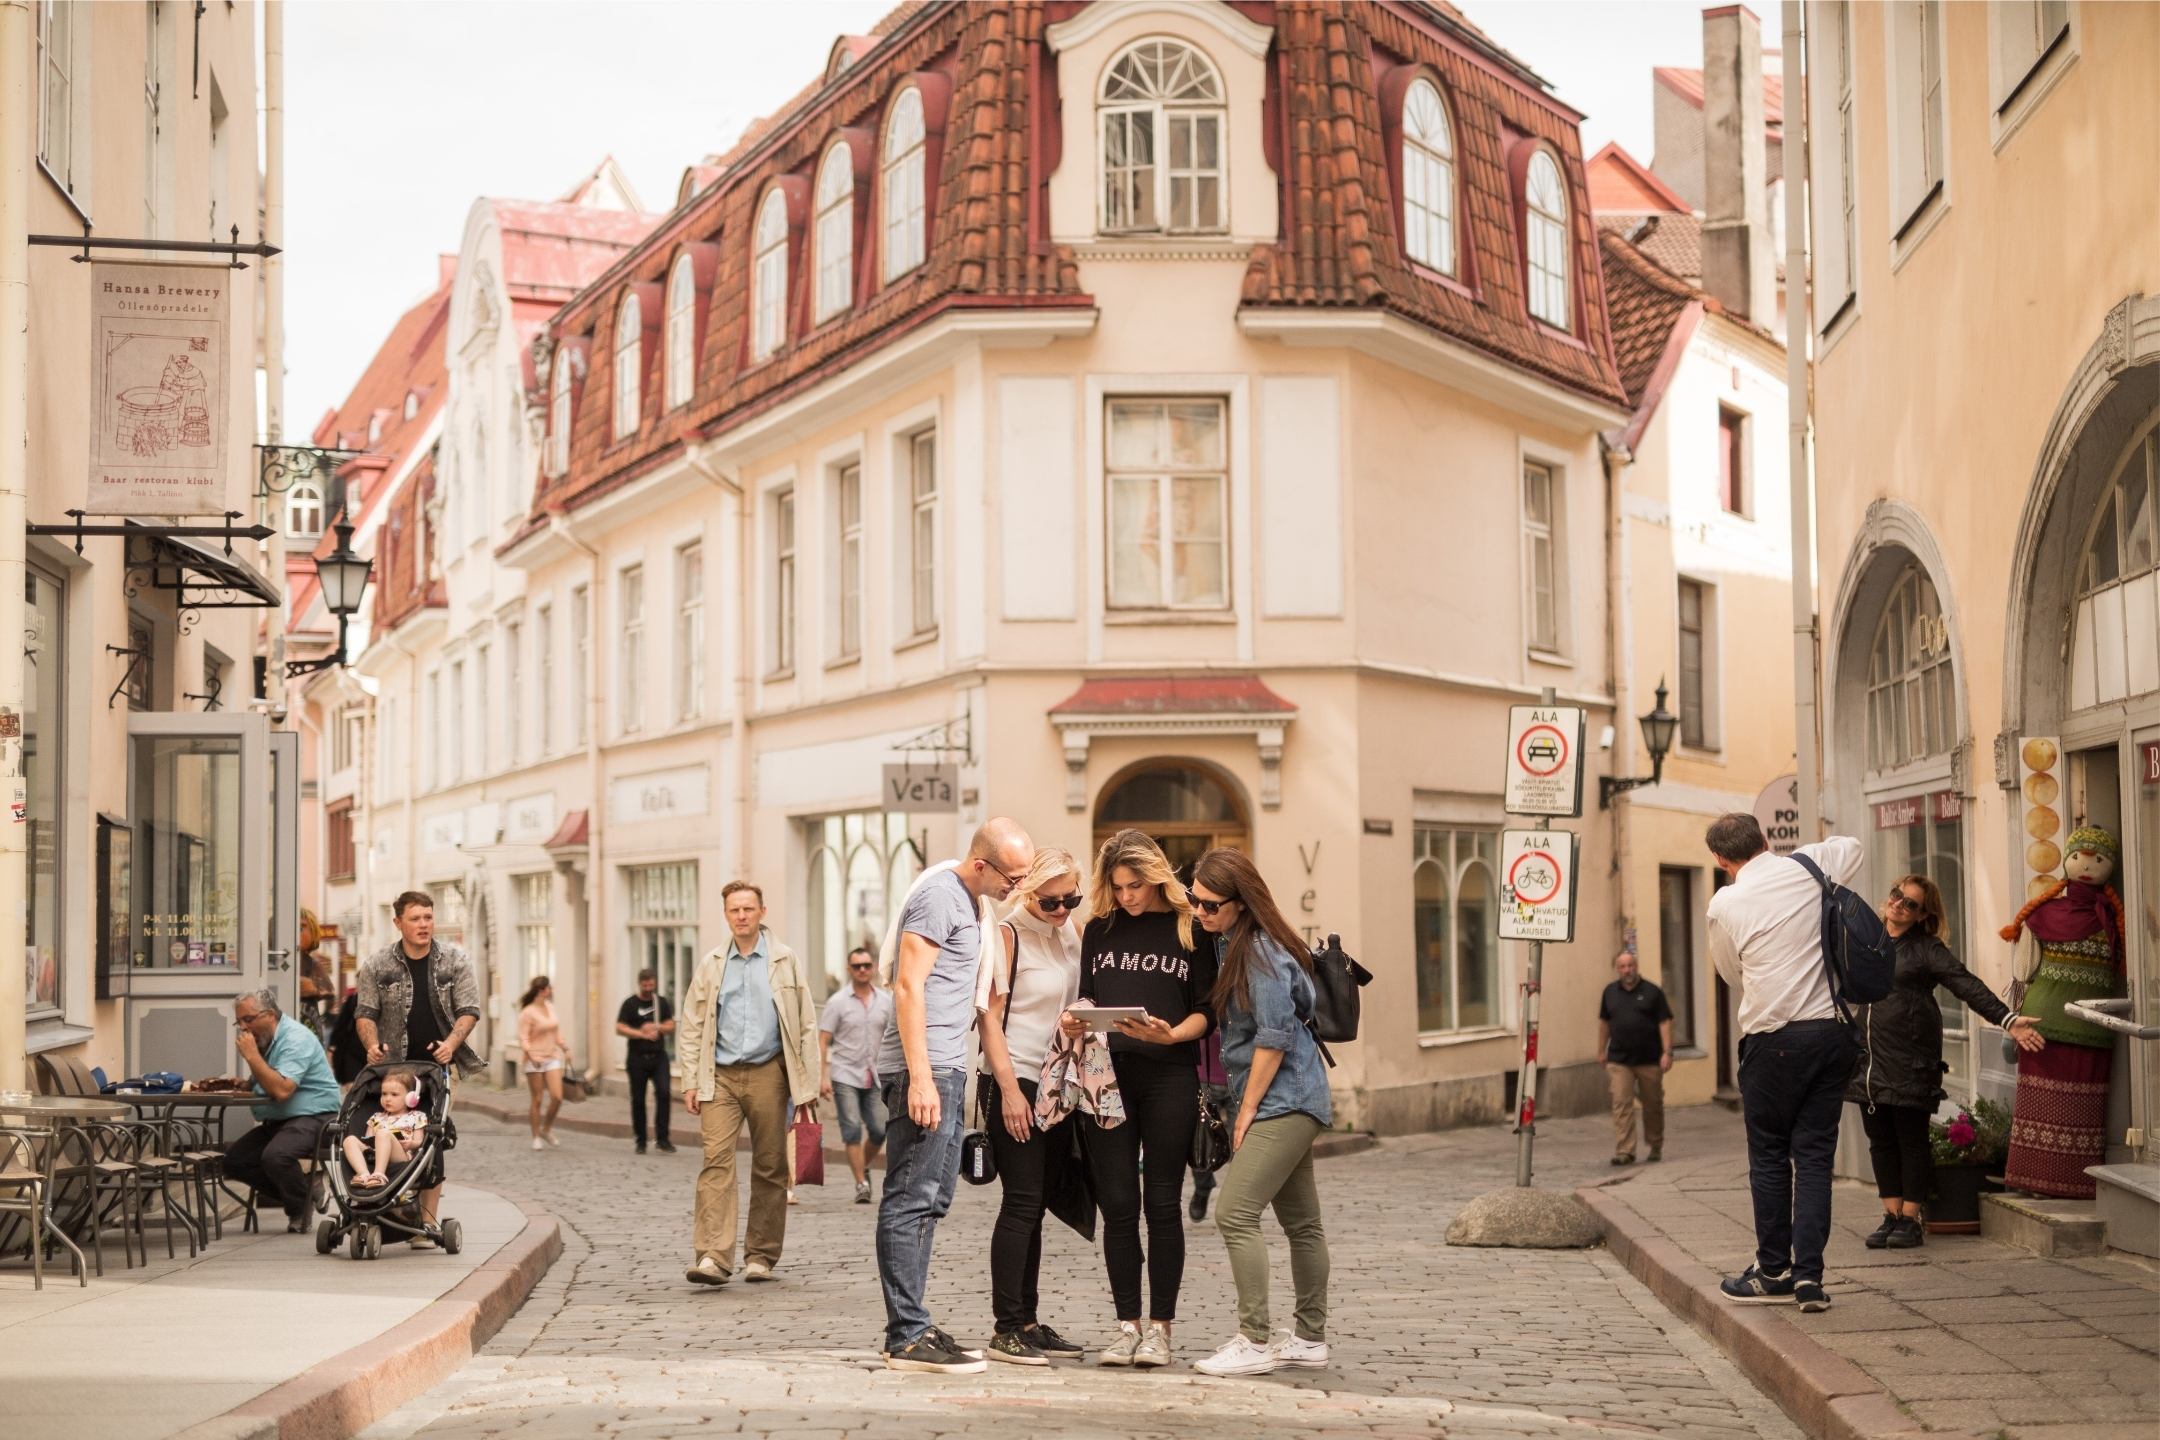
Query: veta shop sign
x=921 y=789
x=660 y=795
x=159 y=407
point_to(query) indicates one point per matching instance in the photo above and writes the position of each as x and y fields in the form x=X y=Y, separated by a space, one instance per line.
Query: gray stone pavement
x=1427 y=1340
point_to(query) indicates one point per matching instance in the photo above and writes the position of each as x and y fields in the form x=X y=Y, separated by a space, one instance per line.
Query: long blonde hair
x=1137 y=851
x=1050 y=862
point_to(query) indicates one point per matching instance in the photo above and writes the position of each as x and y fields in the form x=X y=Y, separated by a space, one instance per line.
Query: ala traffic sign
x=1544 y=762
x=1537 y=885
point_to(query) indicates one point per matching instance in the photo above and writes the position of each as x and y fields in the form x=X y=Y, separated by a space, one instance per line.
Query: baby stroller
x=360 y=1215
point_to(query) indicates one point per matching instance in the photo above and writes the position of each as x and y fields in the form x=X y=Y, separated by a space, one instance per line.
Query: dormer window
x=628 y=333
x=303 y=510
x=558 y=444
x=1161 y=113
x=1545 y=228
x=375 y=421
x=834 y=233
x=681 y=333
x=412 y=408
x=902 y=186
x=768 y=277
x=1428 y=173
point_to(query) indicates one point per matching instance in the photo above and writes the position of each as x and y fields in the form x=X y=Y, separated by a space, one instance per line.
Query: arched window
x=1912 y=709
x=1457 y=929
x=768 y=278
x=903 y=185
x=1428 y=169
x=303 y=510
x=2117 y=589
x=834 y=231
x=1162 y=141
x=558 y=441
x=681 y=333
x=1546 y=226
x=1183 y=806
x=629 y=331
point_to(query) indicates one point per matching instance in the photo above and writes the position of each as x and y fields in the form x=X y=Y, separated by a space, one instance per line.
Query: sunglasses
x=1060 y=902
x=863 y=966
x=1210 y=907
x=1900 y=898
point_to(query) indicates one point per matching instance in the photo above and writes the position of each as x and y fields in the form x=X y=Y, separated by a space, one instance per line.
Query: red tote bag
x=809 y=1152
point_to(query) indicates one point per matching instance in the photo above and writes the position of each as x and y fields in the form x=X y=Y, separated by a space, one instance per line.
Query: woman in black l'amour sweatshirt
x=1140 y=950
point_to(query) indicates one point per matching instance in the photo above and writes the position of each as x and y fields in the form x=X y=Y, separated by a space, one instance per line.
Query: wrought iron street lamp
x=343 y=576
x=1658 y=728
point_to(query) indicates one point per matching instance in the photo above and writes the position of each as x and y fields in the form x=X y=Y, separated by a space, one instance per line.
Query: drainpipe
x=1799 y=410
x=273 y=285
x=596 y=805
x=17 y=121
x=745 y=639
x=1620 y=661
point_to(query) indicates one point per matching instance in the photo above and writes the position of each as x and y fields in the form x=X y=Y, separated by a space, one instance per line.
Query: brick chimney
x=1738 y=266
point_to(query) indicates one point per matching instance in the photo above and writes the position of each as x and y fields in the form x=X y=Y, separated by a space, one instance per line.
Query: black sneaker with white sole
x=1011 y=1346
x=970 y=1351
x=1752 y=1287
x=1052 y=1344
x=1811 y=1297
x=925 y=1355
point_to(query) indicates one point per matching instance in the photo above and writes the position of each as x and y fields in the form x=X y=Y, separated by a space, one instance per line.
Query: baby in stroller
x=397 y=1129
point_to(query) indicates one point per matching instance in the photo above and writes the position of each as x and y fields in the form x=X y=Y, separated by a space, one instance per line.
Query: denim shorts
x=859 y=1108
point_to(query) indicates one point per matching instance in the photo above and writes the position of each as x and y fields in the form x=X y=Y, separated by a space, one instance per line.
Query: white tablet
x=1106 y=1017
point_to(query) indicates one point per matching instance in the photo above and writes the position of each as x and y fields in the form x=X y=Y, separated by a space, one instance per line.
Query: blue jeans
x=859 y=1107
x=1792 y=1095
x=922 y=1169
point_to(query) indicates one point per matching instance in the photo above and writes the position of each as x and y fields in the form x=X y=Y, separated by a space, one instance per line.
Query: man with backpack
x=1768 y=931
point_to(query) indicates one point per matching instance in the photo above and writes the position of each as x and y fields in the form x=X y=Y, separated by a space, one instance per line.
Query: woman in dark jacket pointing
x=1898 y=1078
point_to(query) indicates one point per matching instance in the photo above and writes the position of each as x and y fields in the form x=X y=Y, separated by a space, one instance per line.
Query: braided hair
x=2110 y=902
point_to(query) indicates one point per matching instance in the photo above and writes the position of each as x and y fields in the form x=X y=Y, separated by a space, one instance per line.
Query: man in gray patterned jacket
x=418 y=1001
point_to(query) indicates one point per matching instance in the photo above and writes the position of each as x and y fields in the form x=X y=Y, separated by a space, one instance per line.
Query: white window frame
x=483 y=688
x=1144 y=108
x=64 y=33
x=1919 y=108
x=1462 y=853
x=660 y=926
x=2031 y=43
x=1550 y=532
x=630 y=651
x=580 y=665
x=834 y=231
x=768 y=277
x=1911 y=677
x=922 y=542
x=452 y=718
x=1165 y=478
x=847 y=591
x=901 y=186
x=544 y=676
x=513 y=647
x=387 y=773
x=629 y=328
x=533 y=906
x=681 y=333
x=1708 y=710
x=1548 y=277
x=785 y=619
x=690 y=631
x=304 y=510
x=1428 y=169
x=558 y=441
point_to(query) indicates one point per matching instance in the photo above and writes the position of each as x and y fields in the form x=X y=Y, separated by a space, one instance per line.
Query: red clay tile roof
x=1341 y=243
x=1671 y=242
x=1621 y=184
x=410 y=358
x=1688 y=85
x=1646 y=303
x=1175 y=695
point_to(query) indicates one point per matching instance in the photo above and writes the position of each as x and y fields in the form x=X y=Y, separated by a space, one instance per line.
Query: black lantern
x=343 y=576
x=1658 y=728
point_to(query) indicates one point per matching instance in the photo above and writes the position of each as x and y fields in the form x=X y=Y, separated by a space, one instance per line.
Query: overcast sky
x=397 y=120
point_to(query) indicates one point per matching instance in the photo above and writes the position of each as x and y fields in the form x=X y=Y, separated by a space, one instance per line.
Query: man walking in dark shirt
x=645 y=1020
x=1634 y=1031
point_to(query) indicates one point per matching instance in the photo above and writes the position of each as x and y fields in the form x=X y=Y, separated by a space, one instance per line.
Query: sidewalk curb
x=1825 y=1394
x=353 y=1389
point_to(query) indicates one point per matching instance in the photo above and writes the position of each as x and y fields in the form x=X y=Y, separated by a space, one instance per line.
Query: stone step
x=2128 y=1201
x=2047 y=1227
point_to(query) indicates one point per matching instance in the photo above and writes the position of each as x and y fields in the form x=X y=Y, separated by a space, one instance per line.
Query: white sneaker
x=707 y=1271
x=1154 y=1347
x=1240 y=1357
x=758 y=1270
x=553 y=1143
x=1120 y=1350
x=1306 y=1354
x=539 y=1144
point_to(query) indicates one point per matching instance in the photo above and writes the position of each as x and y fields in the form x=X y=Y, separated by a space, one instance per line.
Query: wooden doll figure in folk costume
x=2069 y=948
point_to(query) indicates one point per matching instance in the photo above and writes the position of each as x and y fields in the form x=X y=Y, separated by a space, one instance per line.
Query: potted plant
x=1965 y=1148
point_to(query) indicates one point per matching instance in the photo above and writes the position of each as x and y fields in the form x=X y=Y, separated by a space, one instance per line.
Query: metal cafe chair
x=28 y=1154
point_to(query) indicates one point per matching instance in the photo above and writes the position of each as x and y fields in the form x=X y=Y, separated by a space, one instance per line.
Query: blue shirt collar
x=757 y=951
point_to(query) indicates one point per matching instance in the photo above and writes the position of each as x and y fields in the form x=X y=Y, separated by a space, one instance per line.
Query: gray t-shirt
x=942 y=912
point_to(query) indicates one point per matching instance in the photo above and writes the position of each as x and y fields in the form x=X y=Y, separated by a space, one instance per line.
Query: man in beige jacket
x=746 y=1039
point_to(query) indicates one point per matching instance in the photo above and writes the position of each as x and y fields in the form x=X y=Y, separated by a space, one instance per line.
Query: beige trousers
x=756 y=1095
x=1627 y=1082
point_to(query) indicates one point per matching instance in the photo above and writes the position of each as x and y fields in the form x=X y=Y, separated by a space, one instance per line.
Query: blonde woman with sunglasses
x=1139 y=951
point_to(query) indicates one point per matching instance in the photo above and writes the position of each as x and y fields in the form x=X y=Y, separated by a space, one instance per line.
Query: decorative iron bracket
x=135 y=658
x=954 y=737
x=280 y=467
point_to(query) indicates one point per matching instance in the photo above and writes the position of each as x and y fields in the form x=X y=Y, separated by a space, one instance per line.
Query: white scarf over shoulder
x=988 y=957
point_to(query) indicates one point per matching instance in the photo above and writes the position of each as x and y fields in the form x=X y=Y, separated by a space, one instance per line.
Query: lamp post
x=344 y=578
x=1658 y=728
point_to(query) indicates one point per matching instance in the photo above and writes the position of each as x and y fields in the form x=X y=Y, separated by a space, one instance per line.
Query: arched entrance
x=1188 y=807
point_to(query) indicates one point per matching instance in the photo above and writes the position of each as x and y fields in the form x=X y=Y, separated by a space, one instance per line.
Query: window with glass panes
x=768 y=278
x=681 y=333
x=1162 y=135
x=1912 y=712
x=629 y=328
x=922 y=531
x=44 y=749
x=1428 y=163
x=630 y=657
x=1924 y=834
x=1692 y=729
x=533 y=897
x=784 y=580
x=662 y=924
x=544 y=666
x=1541 y=574
x=690 y=632
x=860 y=865
x=1676 y=949
x=1169 y=497
x=834 y=231
x=580 y=661
x=2115 y=649
x=513 y=690
x=1545 y=239
x=1457 y=928
x=902 y=185
x=847 y=509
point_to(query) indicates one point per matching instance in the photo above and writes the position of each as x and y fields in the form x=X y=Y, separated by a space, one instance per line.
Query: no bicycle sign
x=1544 y=763
x=1537 y=885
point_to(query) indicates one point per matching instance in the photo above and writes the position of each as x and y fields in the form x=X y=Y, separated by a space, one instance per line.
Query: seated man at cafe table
x=286 y=1064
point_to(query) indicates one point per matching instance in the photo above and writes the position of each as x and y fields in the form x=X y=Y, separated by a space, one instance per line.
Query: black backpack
x=1861 y=956
x=1336 y=981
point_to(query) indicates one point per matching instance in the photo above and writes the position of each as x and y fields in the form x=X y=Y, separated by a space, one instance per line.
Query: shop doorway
x=1181 y=803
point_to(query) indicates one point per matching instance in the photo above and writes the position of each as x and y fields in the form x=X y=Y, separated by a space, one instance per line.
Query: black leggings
x=1898 y=1144
x=1162 y=1100
x=1029 y=1173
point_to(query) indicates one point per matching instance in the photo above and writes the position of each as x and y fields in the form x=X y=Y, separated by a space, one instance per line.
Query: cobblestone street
x=1427 y=1340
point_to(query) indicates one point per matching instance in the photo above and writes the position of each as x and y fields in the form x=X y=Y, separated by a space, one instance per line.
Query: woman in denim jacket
x=1263 y=997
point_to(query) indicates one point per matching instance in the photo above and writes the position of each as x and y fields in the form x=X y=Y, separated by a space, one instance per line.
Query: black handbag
x=1211 y=1137
x=978 y=1161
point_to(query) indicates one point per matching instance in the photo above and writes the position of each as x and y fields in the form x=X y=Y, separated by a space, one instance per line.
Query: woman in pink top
x=540 y=1042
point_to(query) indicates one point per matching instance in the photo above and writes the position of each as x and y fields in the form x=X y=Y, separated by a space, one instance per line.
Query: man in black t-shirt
x=645 y=1020
x=1634 y=1032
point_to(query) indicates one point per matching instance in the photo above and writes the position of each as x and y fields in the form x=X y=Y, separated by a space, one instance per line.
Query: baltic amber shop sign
x=159 y=407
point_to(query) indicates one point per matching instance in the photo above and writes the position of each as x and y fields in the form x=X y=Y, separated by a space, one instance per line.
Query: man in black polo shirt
x=1634 y=1031
x=645 y=1020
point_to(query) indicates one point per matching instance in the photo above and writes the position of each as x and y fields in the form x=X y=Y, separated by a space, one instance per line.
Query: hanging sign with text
x=921 y=789
x=1777 y=810
x=159 y=407
x=1544 y=761
x=1537 y=885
